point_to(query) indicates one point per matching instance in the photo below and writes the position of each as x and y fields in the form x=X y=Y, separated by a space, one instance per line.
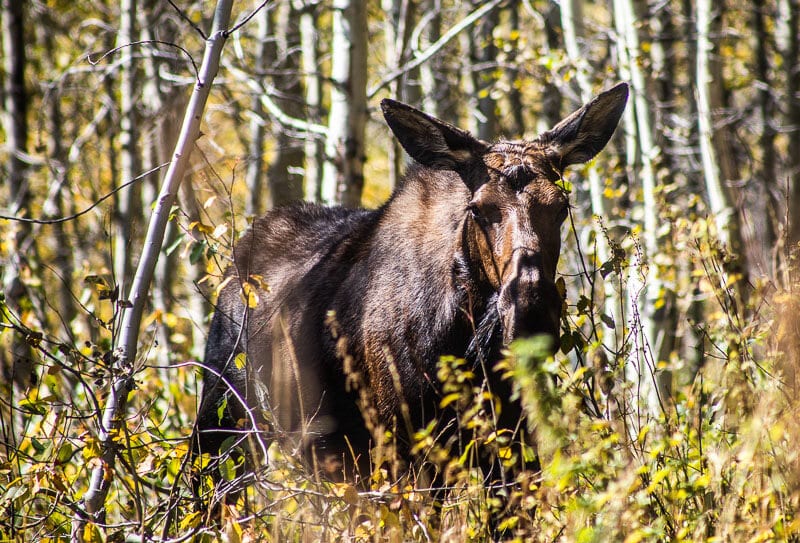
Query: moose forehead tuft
x=520 y=162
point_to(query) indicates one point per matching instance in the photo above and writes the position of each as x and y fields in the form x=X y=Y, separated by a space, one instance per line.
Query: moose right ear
x=582 y=135
x=430 y=141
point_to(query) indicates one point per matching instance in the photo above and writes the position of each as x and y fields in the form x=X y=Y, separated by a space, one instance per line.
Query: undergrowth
x=716 y=460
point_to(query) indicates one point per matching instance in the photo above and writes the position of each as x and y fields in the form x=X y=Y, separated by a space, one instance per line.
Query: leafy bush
x=718 y=461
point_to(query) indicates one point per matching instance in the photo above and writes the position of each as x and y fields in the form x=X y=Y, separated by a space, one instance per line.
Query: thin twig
x=435 y=47
x=252 y=14
x=145 y=42
x=88 y=209
x=186 y=18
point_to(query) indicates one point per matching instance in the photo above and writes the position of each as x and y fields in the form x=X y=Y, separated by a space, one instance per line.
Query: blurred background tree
x=682 y=228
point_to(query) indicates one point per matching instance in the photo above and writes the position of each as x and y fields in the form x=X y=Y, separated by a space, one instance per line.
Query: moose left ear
x=583 y=134
x=430 y=141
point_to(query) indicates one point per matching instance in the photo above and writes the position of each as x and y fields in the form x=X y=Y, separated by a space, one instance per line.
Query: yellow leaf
x=92 y=534
x=222 y=284
x=450 y=398
x=200 y=227
x=347 y=492
x=155 y=316
x=91 y=449
x=258 y=281
x=240 y=361
x=191 y=520
x=249 y=295
x=702 y=481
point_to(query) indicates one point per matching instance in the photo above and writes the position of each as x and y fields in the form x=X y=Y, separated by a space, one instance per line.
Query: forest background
x=681 y=330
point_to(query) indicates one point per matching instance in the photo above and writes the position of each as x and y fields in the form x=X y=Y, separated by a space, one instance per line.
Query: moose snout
x=529 y=303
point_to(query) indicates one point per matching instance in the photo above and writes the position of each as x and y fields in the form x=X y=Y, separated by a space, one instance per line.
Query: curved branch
x=435 y=47
x=132 y=311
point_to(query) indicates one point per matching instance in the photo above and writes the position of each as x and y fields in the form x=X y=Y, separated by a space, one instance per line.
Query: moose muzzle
x=529 y=303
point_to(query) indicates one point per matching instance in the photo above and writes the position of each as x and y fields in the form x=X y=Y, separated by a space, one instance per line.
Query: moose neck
x=427 y=219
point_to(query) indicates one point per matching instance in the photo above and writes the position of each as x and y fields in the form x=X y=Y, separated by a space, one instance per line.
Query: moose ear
x=428 y=140
x=583 y=134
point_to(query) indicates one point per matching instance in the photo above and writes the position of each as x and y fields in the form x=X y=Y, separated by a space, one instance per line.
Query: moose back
x=460 y=261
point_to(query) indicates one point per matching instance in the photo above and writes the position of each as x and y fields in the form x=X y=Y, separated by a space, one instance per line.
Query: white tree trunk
x=312 y=148
x=572 y=26
x=644 y=284
x=717 y=199
x=343 y=176
x=125 y=359
x=129 y=161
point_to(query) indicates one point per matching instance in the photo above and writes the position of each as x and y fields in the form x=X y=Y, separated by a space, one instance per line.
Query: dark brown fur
x=461 y=260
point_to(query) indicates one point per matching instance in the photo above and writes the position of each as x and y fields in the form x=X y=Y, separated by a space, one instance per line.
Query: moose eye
x=484 y=215
x=474 y=212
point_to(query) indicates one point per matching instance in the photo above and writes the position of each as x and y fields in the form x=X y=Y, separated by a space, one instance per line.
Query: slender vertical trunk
x=718 y=171
x=158 y=136
x=393 y=60
x=343 y=176
x=470 y=96
x=790 y=40
x=432 y=83
x=692 y=348
x=766 y=191
x=283 y=177
x=611 y=303
x=483 y=57
x=18 y=371
x=59 y=192
x=646 y=291
x=396 y=34
x=254 y=178
x=127 y=199
x=664 y=74
x=312 y=149
x=515 y=104
x=551 y=95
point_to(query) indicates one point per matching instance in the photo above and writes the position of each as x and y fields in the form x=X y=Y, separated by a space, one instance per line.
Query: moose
x=461 y=260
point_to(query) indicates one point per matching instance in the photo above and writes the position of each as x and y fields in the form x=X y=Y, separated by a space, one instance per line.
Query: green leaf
x=221 y=409
x=198 y=248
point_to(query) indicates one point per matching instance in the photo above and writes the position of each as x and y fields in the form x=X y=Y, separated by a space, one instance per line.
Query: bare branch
x=88 y=209
x=435 y=47
x=273 y=109
x=125 y=354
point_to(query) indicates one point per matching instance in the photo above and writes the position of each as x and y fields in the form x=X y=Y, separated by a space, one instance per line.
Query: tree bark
x=125 y=359
x=718 y=171
x=432 y=77
x=18 y=372
x=790 y=51
x=283 y=177
x=766 y=191
x=59 y=193
x=648 y=296
x=312 y=148
x=128 y=210
x=396 y=33
x=343 y=171
x=482 y=57
x=551 y=95
x=254 y=179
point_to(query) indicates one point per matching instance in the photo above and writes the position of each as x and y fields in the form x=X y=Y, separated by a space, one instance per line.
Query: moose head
x=515 y=209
